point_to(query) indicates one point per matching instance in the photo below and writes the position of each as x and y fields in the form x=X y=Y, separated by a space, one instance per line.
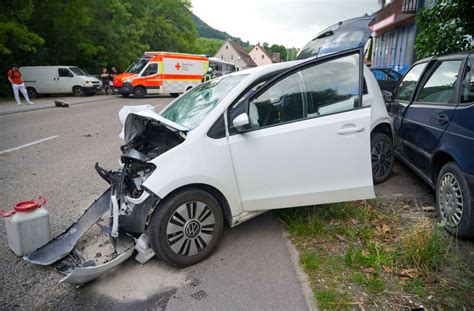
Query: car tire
x=139 y=92
x=382 y=156
x=31 y=92
x=174 y=94
x=186 y=227
x=78 y=91
x=455 y=201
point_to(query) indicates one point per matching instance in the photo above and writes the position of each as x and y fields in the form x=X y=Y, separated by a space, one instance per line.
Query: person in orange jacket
x=14 y=76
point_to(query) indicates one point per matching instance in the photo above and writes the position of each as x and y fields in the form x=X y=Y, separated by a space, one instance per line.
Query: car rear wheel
x=31 y=92
x=139 y=92
x=382 y=157
x=186 y=227
x=78 y=91
x=454 y=201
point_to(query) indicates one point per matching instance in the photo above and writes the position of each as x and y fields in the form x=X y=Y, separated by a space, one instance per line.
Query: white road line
x=29 y=144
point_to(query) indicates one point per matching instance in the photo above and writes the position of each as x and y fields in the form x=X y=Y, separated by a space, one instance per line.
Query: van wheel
x=31 y=92
x=174 y=94
x=139 y=92
x=455 y=201
x=186 y=227
x=382 y=156
x=78 y=91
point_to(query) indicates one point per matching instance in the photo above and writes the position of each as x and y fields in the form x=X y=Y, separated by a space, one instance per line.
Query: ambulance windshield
x=192 y=108
x=138 y=65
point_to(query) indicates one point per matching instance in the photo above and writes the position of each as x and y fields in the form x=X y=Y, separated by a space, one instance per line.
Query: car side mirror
x=388 y=99
x=241 y=122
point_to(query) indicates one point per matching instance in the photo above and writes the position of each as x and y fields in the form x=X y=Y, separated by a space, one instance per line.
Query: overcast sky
x=286 y=22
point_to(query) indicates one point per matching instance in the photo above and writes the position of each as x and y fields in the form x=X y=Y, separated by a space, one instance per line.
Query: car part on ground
x=382 y=156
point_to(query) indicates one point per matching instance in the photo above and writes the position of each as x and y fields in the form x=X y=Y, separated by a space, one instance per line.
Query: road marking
x=28 y=145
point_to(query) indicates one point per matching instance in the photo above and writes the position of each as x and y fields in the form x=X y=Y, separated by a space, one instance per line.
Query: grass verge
x=369 y=255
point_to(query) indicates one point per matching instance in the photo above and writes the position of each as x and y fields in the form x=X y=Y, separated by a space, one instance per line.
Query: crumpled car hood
x=134 y=126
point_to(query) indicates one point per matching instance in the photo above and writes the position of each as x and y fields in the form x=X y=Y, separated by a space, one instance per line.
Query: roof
x=243 y=55
x=274 y=57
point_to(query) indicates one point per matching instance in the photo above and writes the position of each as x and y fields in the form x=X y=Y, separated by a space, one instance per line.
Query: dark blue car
x=433 y=113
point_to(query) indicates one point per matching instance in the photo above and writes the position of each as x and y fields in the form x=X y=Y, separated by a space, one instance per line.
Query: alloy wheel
x=190 y=228
x=381 y=157
x=450 y=200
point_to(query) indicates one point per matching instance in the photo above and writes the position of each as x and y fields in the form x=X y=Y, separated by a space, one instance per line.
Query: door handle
x=350 y=130
x=442 y=118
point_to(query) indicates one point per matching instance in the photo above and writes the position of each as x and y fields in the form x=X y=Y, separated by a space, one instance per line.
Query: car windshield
x=78 y=71
x=190 y=109
x=350 y=34
x=138 y=65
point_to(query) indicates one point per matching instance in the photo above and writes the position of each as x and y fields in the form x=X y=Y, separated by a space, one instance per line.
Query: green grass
x=357 y=250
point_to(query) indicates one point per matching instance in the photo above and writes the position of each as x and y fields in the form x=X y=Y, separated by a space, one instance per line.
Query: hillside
x=207 y=31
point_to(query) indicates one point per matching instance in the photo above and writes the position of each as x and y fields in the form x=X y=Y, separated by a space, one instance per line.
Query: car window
x=379 y=74
x=150 y=70
x=322 y=89
x=467 y=94
x=393 y=75
x=407 y=86
x=333 y=86
x=440 y=87
x=63 y=72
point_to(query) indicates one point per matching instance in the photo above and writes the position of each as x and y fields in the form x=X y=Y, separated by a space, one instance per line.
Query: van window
x=150 y=70
x=63 y=72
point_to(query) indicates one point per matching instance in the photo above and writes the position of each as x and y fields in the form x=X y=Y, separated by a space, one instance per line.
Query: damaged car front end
x=129 y=206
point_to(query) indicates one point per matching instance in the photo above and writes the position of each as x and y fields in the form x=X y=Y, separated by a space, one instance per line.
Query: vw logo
x=192 y=228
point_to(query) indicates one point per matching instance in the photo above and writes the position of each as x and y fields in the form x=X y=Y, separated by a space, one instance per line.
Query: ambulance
x=161 y=73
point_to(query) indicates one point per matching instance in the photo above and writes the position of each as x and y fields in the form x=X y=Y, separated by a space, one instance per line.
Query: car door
x=430 y=112
x=308 y=141
x=65 y=80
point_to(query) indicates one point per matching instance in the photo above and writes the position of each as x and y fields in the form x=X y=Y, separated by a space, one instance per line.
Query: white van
x=58 y=79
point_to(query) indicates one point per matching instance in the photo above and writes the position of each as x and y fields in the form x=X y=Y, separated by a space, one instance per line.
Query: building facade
x=232 y=52
x=394 y=33
x=260 y=56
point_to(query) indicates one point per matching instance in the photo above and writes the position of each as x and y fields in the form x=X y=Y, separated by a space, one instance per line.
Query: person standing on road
x=14 y=76
x=113 y=73
x=105 y=81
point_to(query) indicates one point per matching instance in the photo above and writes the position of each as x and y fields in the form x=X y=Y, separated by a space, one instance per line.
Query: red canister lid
x=27 y=206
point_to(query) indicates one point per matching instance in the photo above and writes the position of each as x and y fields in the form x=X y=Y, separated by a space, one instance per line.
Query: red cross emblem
x=178 y=66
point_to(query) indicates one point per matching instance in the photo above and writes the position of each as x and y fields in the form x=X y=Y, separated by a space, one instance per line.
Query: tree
x=446 y=28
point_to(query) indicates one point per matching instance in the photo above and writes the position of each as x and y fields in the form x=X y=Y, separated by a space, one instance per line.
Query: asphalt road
x=251 y=269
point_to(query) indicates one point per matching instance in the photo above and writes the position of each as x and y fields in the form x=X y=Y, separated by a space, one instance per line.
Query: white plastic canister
x=27 y=226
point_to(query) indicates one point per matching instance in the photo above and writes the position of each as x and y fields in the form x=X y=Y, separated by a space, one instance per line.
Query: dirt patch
x=96 y=245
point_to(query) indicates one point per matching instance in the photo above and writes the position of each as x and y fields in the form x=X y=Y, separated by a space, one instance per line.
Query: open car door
x=308 y=137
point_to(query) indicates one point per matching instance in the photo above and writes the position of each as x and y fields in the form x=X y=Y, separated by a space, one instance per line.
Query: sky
x=287 y=22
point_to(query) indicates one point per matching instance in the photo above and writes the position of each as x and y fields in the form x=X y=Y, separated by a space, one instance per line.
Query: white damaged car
x=291 y=134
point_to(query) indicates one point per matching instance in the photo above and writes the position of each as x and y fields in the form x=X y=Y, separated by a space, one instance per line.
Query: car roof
x=266 y=69
x=447 y=56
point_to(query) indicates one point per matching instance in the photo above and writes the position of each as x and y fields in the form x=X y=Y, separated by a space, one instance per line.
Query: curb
x=48 y=106
x=301 y=276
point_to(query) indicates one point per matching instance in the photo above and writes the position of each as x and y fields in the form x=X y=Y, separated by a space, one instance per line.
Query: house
x=261 y=57
x=232 y=52
x=394 y=32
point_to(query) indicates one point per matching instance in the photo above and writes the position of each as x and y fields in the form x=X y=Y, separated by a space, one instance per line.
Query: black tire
x=174 y=94
x=457 y=221
x=174 y=235
x=139 y=92
x=31 y=92
x=382 y=156
x=78 y=91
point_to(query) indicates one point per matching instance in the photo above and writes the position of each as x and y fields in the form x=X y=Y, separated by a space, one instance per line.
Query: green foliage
x=91 y=35
x=446 y=28
x=207 y=46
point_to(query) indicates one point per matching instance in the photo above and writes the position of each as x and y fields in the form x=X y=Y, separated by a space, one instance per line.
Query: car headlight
x=88 y=83
x=127 y=80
